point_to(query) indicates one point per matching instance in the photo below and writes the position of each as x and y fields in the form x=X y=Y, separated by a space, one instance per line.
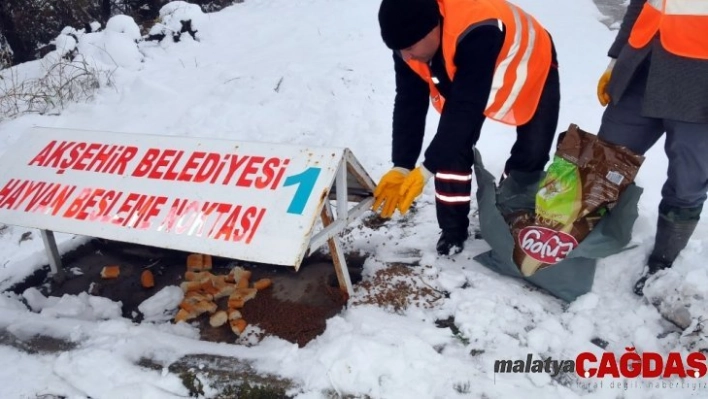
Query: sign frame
x=350 y=184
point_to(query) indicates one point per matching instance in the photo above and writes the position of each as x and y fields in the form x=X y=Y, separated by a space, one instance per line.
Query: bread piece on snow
x=235 y=303
x=208 y=286
x=245 y=279
x=195 y=262
x=198 y=307
x=238 y=325
x=197 y=276
x=109 y=272
x=262 y=284
x=235 y=314
x=188 y=286
x=206 y=306
x=220 y=280
x=225 y=291
x=218 y=319
x=184 y=315
x=235 y=274
x=197 y=296
x=246 y=293
x=147 y=280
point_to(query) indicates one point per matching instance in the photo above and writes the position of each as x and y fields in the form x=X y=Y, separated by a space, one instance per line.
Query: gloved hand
x=387 y=191
x=602 y=95
x=412 y=187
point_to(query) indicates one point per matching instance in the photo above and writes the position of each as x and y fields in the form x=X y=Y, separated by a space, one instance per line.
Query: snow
x=172 y=15
x=82 y=306
x=315 y=72
x=125 y=25
x=65 y=44
x=114 y=46
x=162 y=305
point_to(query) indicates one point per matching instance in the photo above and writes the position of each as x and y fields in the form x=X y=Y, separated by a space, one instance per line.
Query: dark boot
x=674 y=228
x=517 y=192
x=451 y=242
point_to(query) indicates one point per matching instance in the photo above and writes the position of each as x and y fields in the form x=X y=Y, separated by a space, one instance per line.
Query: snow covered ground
x=315 y=72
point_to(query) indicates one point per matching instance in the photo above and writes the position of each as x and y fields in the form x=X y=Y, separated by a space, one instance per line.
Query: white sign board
x=243 y=200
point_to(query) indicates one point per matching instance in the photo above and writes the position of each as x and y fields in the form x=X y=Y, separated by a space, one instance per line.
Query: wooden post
x=335 y=248
x=50 y=245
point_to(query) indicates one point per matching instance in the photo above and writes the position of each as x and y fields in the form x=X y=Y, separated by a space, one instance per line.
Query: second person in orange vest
x=656 y=86
x=474 y=60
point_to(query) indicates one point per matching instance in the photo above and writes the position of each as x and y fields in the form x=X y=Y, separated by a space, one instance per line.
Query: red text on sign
x=211 y=167
x=34 y=196
x=219 y=221
x=129 y=210
x=89 y=157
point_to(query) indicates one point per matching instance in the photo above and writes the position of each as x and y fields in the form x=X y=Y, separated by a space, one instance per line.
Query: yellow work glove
x=412 y=187
x=602 y=95
x=387 y=191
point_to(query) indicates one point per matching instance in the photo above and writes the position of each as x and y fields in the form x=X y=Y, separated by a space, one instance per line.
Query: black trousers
x=530 y=153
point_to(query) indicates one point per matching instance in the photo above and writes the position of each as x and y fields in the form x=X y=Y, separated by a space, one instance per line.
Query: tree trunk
x=105 y=11
x=21 y=52
x=154 y=7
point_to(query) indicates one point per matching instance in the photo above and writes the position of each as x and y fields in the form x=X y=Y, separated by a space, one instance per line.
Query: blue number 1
x=306 y=181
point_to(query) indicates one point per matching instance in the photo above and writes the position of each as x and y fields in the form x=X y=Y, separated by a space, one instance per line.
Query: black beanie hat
x=404 y=22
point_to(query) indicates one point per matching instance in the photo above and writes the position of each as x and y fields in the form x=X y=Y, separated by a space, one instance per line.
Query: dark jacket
x=677 y=87
x=465 y=100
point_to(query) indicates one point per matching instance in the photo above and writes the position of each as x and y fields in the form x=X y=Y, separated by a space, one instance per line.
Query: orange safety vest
x=522 y=65
x=683 y=26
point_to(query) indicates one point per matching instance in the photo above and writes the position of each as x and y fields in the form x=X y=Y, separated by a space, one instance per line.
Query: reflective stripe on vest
x=521 y=72
x=684 y=7
x=683 y=25
x=521 y=67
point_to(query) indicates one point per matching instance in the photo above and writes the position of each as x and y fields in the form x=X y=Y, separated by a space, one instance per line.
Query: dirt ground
x=295 y=308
